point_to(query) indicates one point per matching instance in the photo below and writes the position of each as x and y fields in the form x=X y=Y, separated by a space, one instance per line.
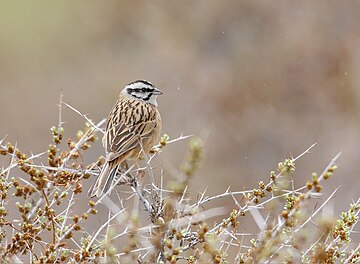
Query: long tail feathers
x=103 y=181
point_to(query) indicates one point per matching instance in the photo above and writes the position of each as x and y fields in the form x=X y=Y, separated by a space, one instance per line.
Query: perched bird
x=133 y=128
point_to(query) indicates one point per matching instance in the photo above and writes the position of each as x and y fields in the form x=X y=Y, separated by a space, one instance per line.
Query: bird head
x=142 y=90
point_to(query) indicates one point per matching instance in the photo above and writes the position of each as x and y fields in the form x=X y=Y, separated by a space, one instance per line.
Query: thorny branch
x=177 y=226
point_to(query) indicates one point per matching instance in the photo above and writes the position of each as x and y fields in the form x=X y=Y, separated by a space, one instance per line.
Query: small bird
x=133 y=128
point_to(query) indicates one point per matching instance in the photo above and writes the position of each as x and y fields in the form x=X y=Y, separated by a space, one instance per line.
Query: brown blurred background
x=262 y=79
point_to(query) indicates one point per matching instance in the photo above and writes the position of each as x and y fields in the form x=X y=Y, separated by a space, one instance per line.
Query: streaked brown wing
x=123 y=134
x=130 y=137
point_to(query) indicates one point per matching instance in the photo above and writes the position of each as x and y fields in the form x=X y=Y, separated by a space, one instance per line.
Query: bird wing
x=121 y=137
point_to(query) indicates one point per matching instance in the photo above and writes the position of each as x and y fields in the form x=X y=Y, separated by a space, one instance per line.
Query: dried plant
x=154 y=219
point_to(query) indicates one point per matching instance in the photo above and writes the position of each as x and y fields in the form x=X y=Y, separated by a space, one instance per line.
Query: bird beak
x=157 y=92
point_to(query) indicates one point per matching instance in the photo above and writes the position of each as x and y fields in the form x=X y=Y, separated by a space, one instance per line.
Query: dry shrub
x=155 y=219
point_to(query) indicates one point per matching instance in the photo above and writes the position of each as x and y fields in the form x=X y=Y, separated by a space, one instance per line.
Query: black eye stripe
x=141 y=90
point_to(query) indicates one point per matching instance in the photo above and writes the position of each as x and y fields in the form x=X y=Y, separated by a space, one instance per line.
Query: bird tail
x=104 y=180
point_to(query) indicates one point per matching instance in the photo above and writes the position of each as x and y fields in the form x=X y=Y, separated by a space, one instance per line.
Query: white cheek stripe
x=139 y=95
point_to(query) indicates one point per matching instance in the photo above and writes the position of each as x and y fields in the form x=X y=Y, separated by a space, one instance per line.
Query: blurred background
x=259 y=80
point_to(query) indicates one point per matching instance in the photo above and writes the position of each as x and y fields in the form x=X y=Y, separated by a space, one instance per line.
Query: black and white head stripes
x=142 y=90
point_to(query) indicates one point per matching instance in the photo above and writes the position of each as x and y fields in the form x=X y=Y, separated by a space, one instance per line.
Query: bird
x=133 y=128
